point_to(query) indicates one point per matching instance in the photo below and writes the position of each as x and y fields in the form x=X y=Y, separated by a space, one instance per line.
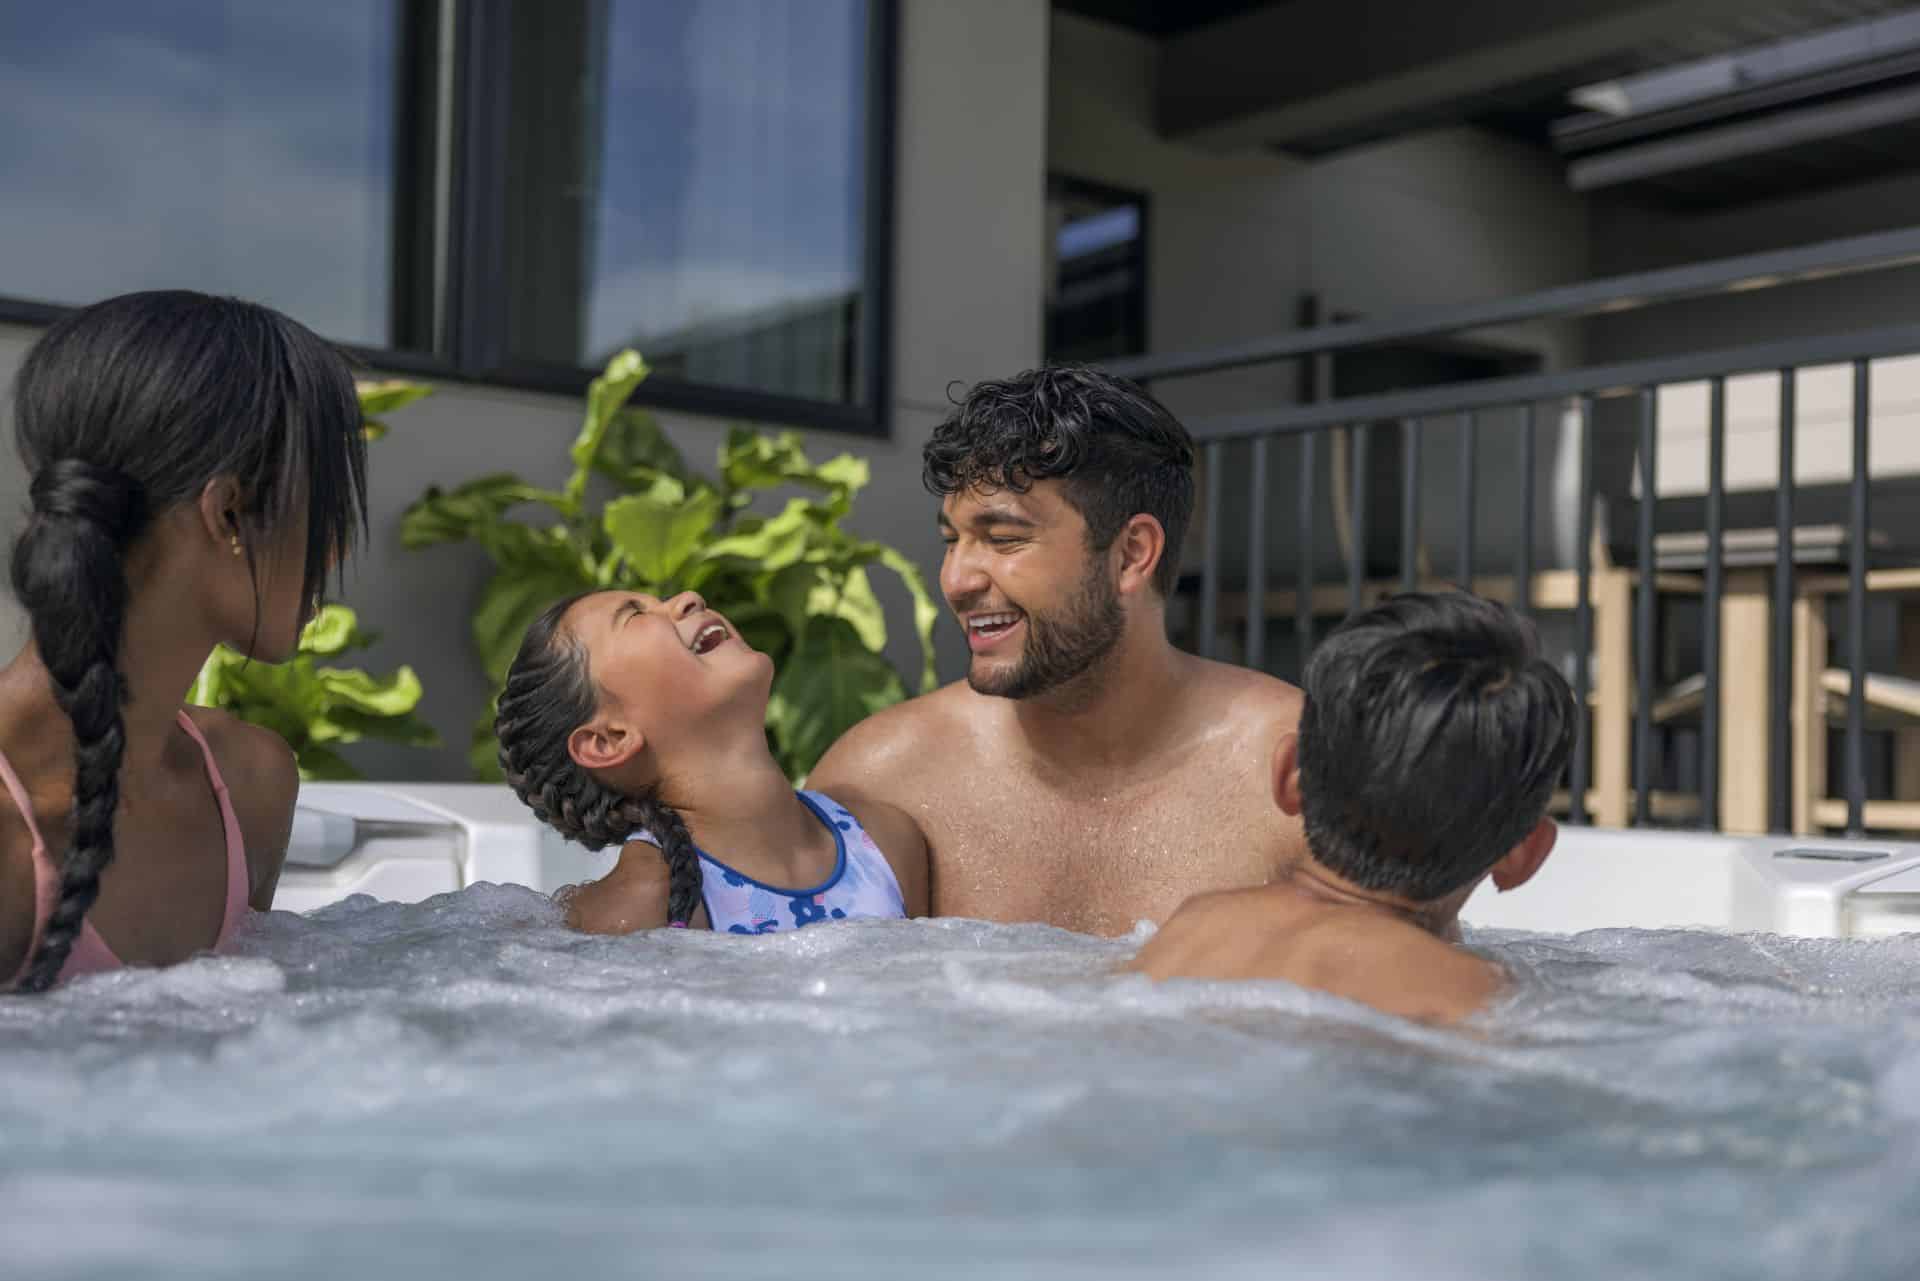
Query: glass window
x=1097 y=278
x=688 y=177
x=234 y=146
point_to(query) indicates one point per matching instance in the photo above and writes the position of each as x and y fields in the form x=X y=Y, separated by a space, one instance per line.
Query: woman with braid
x=197 y=469
x=630 y=720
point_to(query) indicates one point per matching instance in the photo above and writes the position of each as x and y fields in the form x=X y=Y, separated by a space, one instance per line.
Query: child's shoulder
x=895 y=834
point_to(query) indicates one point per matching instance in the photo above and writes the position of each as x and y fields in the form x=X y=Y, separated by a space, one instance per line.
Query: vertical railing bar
x=1523 y=572
x=1210 y=554
x=1583 y=625
x=1256 y=657
x=1644 y=656
x=1857 y=607
x=1303 y=546
x=1715 y=590
x=1357 y=532
x=1410 y=505
x=1469 y=454
x=1780 y=740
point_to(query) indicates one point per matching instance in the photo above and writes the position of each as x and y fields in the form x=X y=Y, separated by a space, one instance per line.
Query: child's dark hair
x=1431 y=739
x=122 y=410
x=1116 y=450
x=549 y=694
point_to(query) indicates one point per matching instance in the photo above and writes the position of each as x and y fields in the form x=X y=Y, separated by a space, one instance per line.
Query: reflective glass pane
x=1096 y=294
x=688 y=177
x=233 y=146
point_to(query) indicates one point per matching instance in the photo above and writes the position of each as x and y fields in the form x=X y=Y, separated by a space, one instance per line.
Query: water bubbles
x=465 y=1087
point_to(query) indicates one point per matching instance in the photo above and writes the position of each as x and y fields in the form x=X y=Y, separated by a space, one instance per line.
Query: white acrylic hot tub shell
x=422 y=839
x=464 y=833
x=1601 y=878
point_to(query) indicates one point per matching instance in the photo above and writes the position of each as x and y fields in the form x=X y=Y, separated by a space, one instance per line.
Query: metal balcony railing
x=1457 y=409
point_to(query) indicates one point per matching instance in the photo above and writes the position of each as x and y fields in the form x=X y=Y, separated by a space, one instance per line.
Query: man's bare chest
x=1003 y=835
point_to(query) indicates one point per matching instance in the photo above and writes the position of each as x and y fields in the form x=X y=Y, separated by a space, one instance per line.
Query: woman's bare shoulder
x=263 y=785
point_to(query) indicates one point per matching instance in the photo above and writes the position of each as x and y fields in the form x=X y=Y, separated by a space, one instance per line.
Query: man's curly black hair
x=1116 y=451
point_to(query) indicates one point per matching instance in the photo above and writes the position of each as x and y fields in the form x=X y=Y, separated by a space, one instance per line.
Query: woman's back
x=197 y=469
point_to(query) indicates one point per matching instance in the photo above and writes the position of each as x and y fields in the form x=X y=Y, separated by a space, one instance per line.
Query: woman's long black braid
x=66 y=568
x=121 y=410
x=549 y=694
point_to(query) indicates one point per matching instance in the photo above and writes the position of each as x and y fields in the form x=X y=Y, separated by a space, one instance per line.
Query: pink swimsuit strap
x=90 y=954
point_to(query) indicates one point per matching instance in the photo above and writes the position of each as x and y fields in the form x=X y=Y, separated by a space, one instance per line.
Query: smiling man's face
x=1038 y=606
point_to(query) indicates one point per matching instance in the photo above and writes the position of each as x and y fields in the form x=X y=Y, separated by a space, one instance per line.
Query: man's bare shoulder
x=893 y=741
x=1242 y=694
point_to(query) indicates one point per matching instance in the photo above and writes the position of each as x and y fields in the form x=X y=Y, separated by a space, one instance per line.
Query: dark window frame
x=1141 y=319
x=472 y=348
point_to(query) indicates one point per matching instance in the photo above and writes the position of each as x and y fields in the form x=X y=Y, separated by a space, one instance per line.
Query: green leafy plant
x=317 y=708
x=794 y=582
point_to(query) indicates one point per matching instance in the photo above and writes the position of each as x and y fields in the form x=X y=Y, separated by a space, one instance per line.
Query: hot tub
x=407 y=842
x=459 y=1086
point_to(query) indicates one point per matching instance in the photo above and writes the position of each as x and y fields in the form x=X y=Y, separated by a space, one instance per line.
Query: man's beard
x=1063 y=645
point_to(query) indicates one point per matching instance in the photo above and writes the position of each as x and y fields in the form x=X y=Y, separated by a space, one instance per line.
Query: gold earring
x=236 y=543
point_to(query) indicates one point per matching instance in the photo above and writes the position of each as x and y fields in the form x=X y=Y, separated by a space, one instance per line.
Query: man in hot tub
x=1086 y=773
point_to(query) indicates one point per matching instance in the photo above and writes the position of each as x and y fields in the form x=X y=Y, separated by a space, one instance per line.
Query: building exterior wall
x=969 y=189
x=1631 y=237
x=1236 y=238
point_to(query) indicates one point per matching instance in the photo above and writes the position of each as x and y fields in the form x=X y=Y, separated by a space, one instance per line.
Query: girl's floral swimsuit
x=862 y=883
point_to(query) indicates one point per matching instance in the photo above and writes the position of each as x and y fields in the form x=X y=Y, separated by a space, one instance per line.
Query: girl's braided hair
x=549 y=694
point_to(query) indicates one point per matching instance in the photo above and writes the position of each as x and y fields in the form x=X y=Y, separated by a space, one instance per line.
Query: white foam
x=465 y=1088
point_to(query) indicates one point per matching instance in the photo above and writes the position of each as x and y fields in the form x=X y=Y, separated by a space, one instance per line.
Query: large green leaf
x=634 y=451
x=925 y=612
x=473 y=510
x=846 y=472
x=850 y=596
x=312 y=706
x=403 y=728
x=605 y=397
x=332 y=631
x=766 y=545
x=659 y=530
x=393 y=695
x=512 y=599
x=789 y=592
x=319 y=764
x=377 y=398
x=829 y=683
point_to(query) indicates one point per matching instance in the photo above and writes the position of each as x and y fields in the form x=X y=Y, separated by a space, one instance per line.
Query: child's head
x=610 y=694
x=202 y=446
x=1430 y=742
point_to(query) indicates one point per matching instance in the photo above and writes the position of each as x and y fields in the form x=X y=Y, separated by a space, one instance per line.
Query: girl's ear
x=603 y=744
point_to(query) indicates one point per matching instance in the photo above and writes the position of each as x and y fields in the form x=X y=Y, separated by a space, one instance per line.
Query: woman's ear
x=219 y=506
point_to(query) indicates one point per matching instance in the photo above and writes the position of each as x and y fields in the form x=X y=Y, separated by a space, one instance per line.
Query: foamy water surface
x=463 y=1088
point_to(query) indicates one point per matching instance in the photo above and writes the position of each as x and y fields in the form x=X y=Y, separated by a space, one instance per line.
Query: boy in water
x=1432 y=735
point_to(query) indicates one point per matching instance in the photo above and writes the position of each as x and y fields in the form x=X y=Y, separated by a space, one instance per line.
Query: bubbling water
x=463 y=1087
